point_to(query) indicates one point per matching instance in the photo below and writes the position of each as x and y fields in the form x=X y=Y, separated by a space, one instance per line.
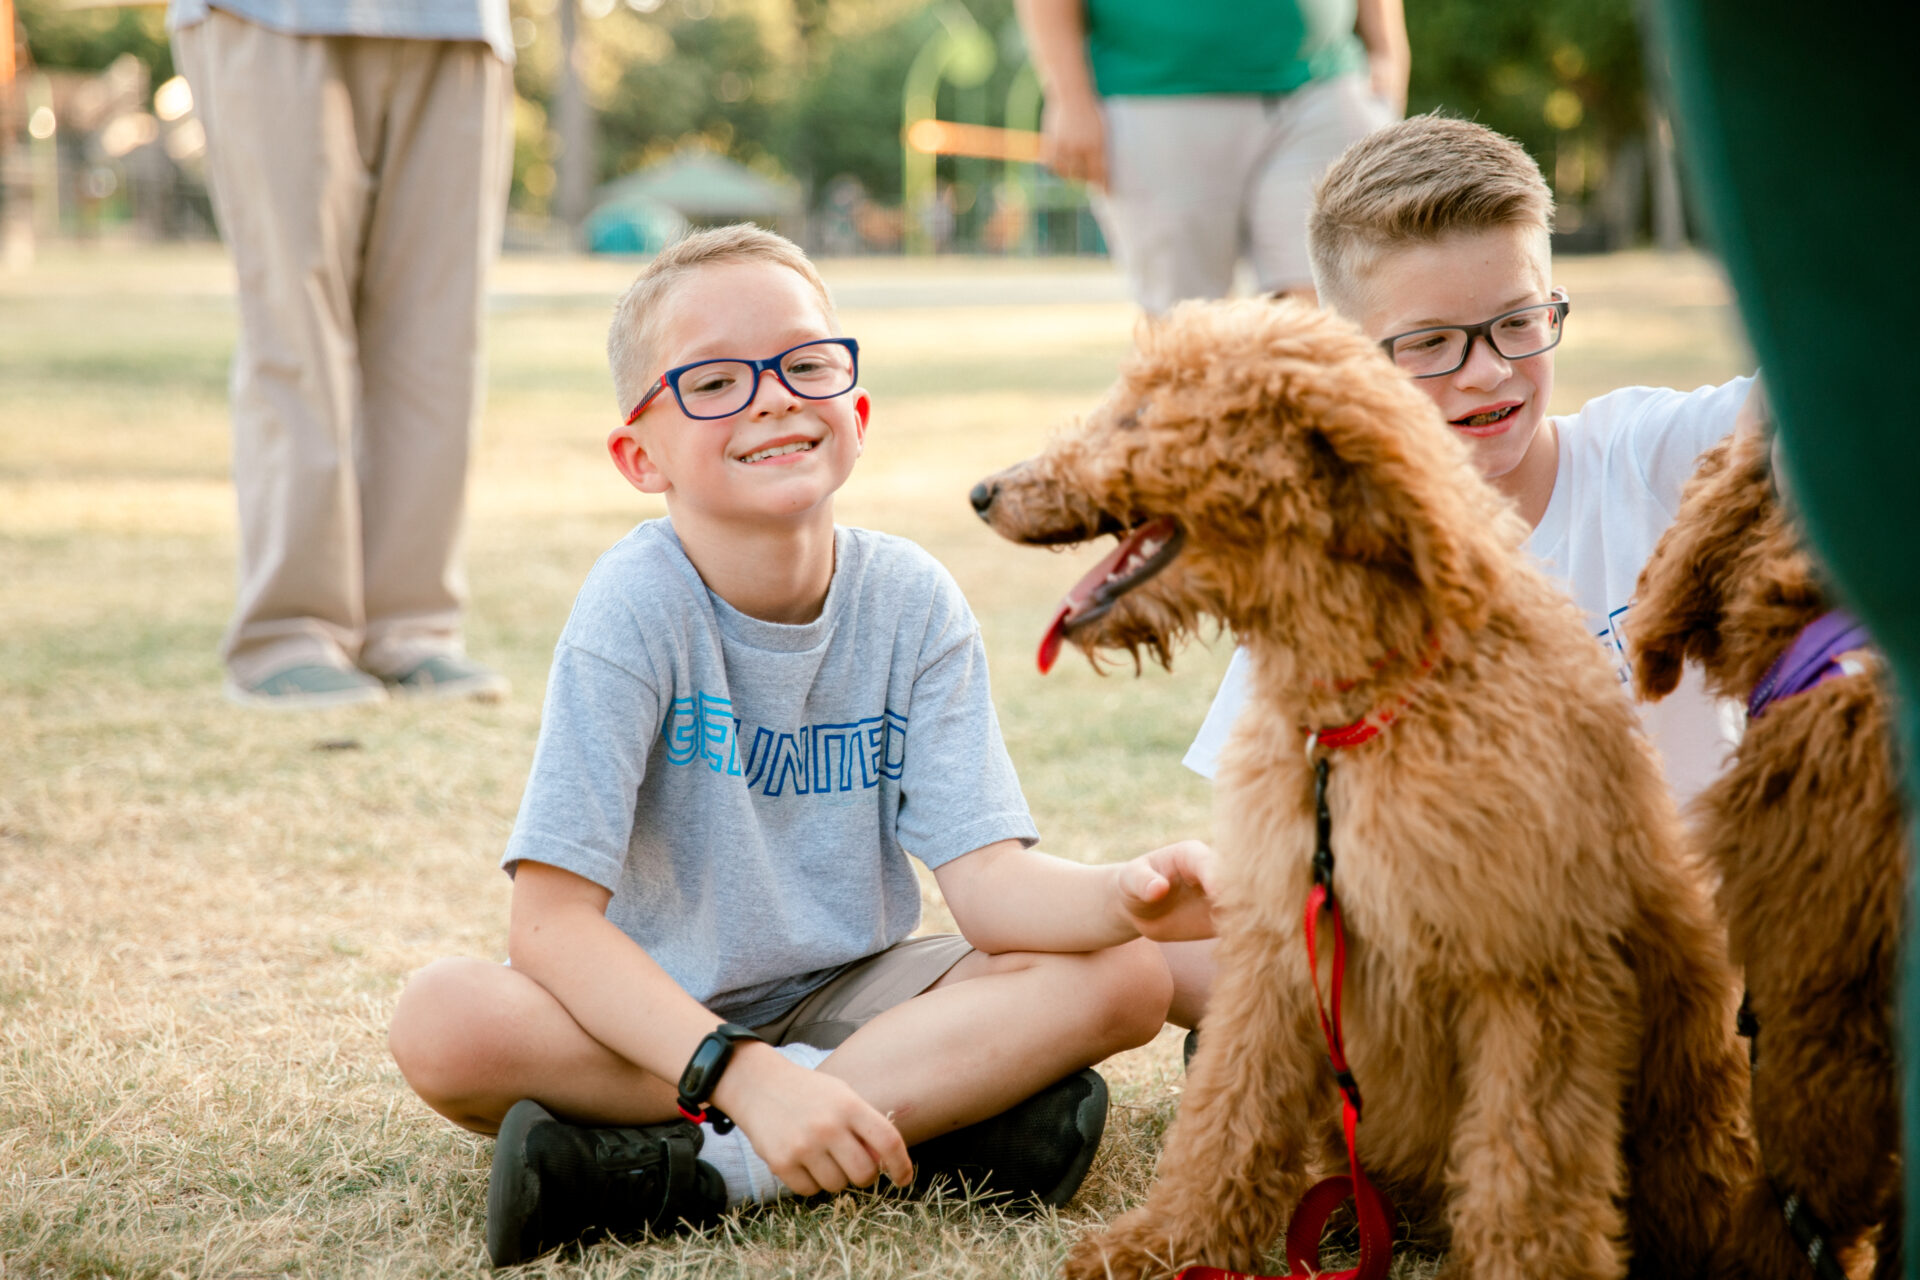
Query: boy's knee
x=1137 y=989
x=436 y=1025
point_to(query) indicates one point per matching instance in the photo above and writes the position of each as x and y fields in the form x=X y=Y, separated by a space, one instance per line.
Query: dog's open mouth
x=1144 y=551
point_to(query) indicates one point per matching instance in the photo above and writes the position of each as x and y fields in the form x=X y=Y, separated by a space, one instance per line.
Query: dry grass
x=208 y=912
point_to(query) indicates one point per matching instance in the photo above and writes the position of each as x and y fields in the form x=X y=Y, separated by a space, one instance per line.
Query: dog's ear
x=1400 y=500
x=1680 y=601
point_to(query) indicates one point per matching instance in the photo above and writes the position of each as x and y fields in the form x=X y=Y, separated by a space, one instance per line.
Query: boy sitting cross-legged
x=753 y=714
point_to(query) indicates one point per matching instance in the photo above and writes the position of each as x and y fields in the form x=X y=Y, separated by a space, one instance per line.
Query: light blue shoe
x=308 y=686
x=445 y=676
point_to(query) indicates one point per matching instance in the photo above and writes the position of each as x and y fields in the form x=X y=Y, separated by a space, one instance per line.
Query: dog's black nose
x=982 y=497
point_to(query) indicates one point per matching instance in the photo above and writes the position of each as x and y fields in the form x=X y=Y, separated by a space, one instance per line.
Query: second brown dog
x=1805 y=830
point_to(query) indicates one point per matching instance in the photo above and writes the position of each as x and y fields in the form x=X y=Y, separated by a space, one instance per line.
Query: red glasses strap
x=646 y=400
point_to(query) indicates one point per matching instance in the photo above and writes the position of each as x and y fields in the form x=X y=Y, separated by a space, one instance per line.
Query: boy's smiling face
x=779 y=458
x=1496 y=404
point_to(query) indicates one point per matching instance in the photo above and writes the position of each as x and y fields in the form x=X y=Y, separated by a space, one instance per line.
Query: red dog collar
x=1368 y=726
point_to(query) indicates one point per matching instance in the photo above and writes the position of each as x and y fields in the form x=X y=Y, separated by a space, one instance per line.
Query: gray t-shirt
x=748 y=790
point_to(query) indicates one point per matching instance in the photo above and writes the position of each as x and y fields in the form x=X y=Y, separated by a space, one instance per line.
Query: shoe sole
x=242 y=696
x=513 y=1186
x=1090 y=1122
x=479 y=689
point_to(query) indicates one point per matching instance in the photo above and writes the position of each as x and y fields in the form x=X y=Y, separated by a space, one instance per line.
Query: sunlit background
x=636 y=118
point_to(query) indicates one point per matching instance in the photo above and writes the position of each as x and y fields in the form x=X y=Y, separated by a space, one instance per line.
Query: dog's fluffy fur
x=1539 y=1007
x=1804 y=828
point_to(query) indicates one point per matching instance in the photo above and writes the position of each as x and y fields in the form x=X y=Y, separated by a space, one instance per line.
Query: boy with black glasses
x=1432 y=235
x=753 y=715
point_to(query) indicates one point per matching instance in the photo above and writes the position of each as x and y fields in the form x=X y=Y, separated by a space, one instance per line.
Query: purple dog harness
x=1813 y=657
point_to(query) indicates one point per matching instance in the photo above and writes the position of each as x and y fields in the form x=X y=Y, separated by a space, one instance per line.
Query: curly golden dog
x=1805 y=830
x=1539 y=1008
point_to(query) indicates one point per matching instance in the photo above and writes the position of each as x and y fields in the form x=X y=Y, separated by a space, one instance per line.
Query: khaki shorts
x=865 y=989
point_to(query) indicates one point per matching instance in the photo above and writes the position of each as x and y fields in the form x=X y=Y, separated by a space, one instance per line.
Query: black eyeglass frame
x=1484 y=330
x=670 y=380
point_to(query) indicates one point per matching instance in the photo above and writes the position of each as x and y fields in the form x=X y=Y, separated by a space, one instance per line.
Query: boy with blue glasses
x=753 y=716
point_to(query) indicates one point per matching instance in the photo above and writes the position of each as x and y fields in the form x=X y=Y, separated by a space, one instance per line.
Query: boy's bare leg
x=998 y=1029
x=1191 y=964
x=472 y=1038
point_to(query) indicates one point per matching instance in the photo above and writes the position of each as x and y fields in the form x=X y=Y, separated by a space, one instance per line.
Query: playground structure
x=963 y=55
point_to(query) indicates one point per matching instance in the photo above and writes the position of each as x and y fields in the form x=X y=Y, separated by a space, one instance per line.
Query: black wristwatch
x=702 y=1075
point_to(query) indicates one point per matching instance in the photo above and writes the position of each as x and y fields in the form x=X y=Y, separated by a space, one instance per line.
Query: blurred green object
x=646 y=211
x=631 y=224
x=1797 y=121
x=701 y=185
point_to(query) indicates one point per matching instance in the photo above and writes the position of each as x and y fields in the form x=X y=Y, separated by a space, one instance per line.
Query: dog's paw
x=1124 y=1252
x=1087 y=1260
x=1094 y=1259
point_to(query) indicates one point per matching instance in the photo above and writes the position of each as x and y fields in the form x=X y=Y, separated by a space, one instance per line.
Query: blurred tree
x=66 y=39
x=653 y=75
x=846 y=119
x=1564 y=77
x=574 y=123
x=713 y=80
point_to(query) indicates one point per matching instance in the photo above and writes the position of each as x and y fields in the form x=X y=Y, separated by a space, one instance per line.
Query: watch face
x=703 y=1069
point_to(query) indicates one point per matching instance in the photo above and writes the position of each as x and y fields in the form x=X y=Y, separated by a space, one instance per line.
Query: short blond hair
x=633 y=338
x=1415 y=182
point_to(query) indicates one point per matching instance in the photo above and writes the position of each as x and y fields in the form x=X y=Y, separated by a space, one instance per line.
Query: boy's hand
x=813 y=1130
x=1167 y=895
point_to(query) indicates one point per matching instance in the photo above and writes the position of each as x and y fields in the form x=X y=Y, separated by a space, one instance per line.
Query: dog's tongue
x=1077 y=600
x=1056 y=636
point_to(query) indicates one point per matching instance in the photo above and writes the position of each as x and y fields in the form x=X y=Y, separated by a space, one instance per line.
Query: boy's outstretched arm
x=1006 y=897
x=812 y=1129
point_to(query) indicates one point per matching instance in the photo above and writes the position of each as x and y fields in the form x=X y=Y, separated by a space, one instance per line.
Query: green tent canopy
x=694 y=186
x=631 y=224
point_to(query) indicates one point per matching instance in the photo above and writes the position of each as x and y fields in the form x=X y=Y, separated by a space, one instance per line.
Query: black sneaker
x=554 y=1183
x=1035 y=1151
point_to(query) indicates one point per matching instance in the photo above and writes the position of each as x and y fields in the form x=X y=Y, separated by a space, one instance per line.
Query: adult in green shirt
x=1204 y=125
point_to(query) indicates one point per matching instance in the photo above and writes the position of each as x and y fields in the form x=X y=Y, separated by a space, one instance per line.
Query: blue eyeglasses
x=817 y=370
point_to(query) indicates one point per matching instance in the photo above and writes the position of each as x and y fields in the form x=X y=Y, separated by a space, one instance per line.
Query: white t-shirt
x=1624 y=459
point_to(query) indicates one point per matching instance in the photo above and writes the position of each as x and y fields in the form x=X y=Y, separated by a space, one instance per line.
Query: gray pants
x=360 y=185
x=1198 y=182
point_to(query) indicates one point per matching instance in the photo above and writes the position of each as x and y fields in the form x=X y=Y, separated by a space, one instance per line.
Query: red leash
x=1310 y=1218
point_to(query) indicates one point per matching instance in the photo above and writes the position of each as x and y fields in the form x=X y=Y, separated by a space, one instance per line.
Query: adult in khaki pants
x=359 y=157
